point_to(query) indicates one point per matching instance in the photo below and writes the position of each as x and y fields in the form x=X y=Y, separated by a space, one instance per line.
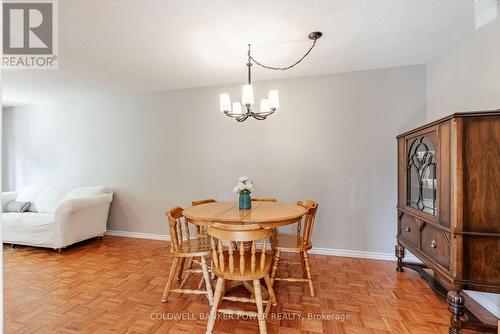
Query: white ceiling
x=130 y=46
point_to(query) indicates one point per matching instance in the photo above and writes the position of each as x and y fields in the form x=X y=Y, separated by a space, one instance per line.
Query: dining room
x=266 y=167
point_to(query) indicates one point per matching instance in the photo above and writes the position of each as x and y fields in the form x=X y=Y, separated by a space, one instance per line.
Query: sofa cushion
x=28 y=228
x=49 y=198
x=29 y=194
x=26 y=221
x=79 y=192
x=17 y=206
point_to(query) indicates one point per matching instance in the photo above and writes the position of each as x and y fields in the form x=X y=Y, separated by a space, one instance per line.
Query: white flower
x=244 y=186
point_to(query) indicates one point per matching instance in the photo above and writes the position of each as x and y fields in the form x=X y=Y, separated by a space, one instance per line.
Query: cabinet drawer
x=435 y=244
x=408 y=229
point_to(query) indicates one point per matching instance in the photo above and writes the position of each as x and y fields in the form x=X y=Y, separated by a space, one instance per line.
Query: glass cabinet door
x=421 y=176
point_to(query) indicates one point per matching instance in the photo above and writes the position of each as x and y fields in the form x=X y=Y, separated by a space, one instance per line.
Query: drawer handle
x=433 y=244
x=407 y=229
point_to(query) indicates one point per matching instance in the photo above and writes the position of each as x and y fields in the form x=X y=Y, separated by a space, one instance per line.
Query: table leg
x=247 y=285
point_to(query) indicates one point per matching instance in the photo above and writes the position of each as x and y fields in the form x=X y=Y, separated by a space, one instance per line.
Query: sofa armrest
x=74 y=205
x=81 y=218
x=7 y=197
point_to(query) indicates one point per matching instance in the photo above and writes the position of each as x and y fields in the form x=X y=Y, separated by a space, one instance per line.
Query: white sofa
x=57 y=217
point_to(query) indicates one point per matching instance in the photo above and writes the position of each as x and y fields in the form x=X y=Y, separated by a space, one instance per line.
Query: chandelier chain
x=250 y=58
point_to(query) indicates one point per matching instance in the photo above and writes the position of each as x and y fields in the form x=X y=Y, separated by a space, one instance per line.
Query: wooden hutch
x=449 y=207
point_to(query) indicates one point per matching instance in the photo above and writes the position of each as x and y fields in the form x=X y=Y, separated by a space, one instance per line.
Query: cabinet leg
x=456 y=305
x=400 y=254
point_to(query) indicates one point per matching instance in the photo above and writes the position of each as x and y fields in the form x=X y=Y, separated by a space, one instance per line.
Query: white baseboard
x=360 y=254
x=485 y=302
x=138 y=235
x=314 y=250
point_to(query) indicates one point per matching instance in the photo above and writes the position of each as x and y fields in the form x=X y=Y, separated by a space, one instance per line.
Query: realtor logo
x=29 y=34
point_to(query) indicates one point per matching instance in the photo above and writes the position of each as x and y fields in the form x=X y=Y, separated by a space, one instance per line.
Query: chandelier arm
x=227 y=113
x=265 y=113
x=260 y=116
x=242 y=118
x=281 y=68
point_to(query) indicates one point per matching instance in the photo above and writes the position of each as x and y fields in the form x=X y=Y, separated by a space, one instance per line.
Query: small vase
x=245 y=201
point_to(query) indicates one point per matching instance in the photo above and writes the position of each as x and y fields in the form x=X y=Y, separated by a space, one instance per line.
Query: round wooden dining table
x=264 y=214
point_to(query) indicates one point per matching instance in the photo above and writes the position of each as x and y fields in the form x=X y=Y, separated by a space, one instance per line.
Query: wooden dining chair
x=241 y=264
x=300 y=242
x=203 y=201
x=182 y=247
x=202 y=230
x=267 y=199
x=264 y=199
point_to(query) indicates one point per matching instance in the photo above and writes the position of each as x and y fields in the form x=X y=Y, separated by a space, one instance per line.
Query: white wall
x=467 y=75
x=333 y=140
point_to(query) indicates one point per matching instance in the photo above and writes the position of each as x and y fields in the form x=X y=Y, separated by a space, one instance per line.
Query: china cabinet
x=449 y=208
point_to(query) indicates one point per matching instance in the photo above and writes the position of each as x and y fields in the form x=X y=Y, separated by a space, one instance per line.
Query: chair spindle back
x=179 y=228
x=311 y=208
x=236 y=238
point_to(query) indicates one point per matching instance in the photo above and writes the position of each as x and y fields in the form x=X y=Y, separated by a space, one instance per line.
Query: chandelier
x=267 y=106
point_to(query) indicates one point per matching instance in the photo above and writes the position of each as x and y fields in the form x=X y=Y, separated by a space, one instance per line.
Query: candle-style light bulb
x=274 y=99
x=225 y=102
x=264 y=105
x=236 y=108
x=247 y=95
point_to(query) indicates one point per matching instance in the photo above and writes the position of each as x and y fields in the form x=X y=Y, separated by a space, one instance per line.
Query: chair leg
x=213 y=311
x=275 y=265
x=272 y=297
x=249 y=287
x=212 y=274
x=170 y=279
x=200 y=282
x=204 y=268
x=308 y=271
x=190 y=263
x=181 y=268
x=304 y=270
x=260 y=308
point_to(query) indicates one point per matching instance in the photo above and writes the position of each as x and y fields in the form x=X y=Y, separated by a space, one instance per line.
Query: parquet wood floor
x=115 y=286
